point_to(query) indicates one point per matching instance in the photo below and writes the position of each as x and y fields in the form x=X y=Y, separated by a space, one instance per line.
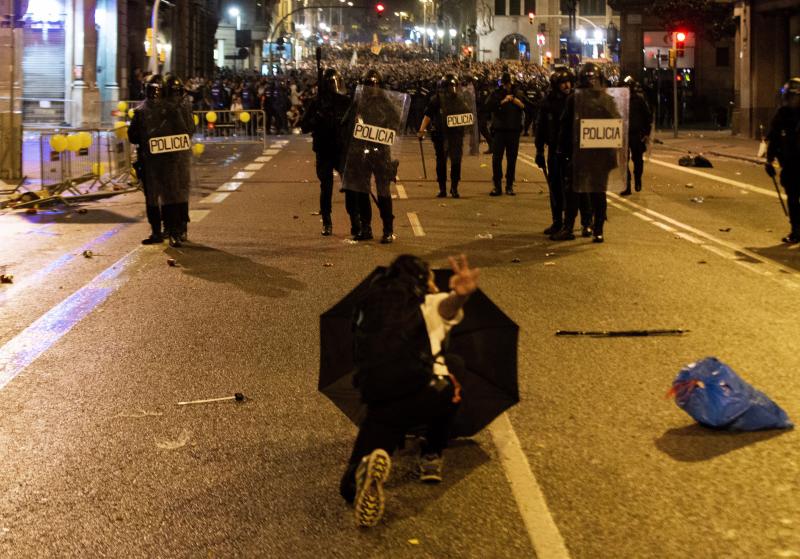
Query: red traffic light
x=680 y=36
x=380 y=8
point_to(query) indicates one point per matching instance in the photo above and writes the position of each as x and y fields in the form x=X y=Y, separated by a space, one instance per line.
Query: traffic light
x=531 y=17
x=680 y=43
x=379 y=9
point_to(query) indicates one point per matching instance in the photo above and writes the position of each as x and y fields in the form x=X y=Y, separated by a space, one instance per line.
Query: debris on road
x=696 y=161
x=516 y=260
x=238 y=397
x=328 y=264
x=413 y=541
x=315 y=213
x=715 y=396
x=295 y=217
x=549 y=253
x=725 y=229
x=702 y=262
x=172 y=262
x=6 y=278
x=697 y=199
x=349 y=241
x=484 y=236
x=689 y=185
x=621 y=333
x=549 y=263
x=176 y=444
x=88 y=254
x=83 y=211
x=140 y=414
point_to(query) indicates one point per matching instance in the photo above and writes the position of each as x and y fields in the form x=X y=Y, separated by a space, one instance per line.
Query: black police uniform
x=783 y=144
x=506 y=128
x=447 y=141
x=639 y=125
x=483 y=93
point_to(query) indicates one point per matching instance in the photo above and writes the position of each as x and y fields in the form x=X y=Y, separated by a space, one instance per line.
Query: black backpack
x=392 y=351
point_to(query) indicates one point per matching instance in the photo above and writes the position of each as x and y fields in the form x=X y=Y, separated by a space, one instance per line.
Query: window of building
x=592 y=7
x=499 y=7
x=513 y=7
x=530 y=6
x=723 y=57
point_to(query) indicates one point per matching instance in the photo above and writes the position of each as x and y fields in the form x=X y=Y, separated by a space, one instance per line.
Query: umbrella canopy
x=486 y=341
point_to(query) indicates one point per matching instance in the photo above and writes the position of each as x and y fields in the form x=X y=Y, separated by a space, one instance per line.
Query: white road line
x=401 y=192
x=271 y=151
x=281 y=142
x=253 y=167
x=196 y=216
x=688 y=237
x=263 y=158
x=243 y=175
x=742 y=185
x=229 y=186
x=415 y=224
x=215 y=198
x=542 y=529
x=642 y=216
x=664 y=226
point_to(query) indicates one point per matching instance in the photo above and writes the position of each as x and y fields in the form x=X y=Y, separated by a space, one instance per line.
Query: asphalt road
x=98 y=460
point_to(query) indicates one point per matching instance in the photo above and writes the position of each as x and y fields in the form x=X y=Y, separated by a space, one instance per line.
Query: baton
x=238 y=397
x=778 y=190
x=422 y=156
x=544 y=170
x=620 y=333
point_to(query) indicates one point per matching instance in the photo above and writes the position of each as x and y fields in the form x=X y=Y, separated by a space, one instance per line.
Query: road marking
x=415 y=224
x=542 y=530
x=215 y=197
x=253 y=167
x=263 y=158
x=271 y=151
x=401 y=192
x=195 y=216
x=688 y=237
x=664 y=226
x=281 y=142
x=24 y=348
x=742 y=185
x=243 y=175
x=229 y=186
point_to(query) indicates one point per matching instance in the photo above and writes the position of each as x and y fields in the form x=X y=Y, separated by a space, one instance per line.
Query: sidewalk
x=710 y=142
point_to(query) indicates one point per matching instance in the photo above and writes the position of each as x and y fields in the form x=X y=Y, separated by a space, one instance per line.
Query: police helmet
x=790 y=89
x=173 y=86
x=505 y=79
x=589 y=75
x=449 y=82
x=561 y=74
x=332 y=81
x=372 y=78
x=153 y=86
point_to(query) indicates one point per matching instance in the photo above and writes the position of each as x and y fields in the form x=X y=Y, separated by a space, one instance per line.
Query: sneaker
x=586 y=231
x=430 y=468
x=153 y=240
x=563 y=235
x=370 y=477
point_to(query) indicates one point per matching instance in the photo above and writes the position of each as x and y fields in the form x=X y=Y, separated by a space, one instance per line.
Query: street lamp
x=453 y=33
x=233 y=11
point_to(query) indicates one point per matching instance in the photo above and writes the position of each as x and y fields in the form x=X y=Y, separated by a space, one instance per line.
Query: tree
x=708 y=18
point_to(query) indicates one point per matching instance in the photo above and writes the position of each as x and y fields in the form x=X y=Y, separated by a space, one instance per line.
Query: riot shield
x=458 y=116
x=373 y=124
x=600 y=139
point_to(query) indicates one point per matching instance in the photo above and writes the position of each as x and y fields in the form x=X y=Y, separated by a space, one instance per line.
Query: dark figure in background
x=367 y=158
x=547 y=127
x=639 y=125
x=532 y=102
x=323 y=119
x=482 y=94
x=448 y=140
x=783 y=144
x=406 y=381
x=507 y=107
x=163 y=128
x=587 y=169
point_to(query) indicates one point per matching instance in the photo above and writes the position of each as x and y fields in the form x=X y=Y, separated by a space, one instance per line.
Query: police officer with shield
x=323 y=119
x=639 y=125
x=448 y=114
x=163 y=128
x=373 y=121
x=783 y=144
x=593 y=142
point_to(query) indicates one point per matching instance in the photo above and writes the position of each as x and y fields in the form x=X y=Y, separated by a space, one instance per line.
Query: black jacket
x=783 y=138
x=507 y=116
x=549 y=121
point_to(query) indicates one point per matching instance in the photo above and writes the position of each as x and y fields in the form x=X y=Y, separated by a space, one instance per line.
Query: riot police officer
x=447 y=134
x=323 y=119
x=638 y=131
x=507 y=107
x=376 y=110
x=162 y=128
x=783 y=144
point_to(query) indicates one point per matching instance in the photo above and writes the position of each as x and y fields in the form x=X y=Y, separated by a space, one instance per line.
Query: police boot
x=154 y=219
x=327 y=225
x=597 y=231
x=442 y=191
x=637 y=183
x=155 y=238
x=497 y=191
x=385 y=208
x=364 y=232
x=454 y=191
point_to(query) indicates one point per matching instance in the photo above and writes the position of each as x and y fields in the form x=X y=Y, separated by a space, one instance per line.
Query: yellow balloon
x=196 y=120
x=244 y=117
x=198 y=149
x=98 y=169
x=122 y=106
x=130 y=113
x=86 y=139
x=58 y=142
x=211 y=116
x=133 y=173
x=120 y=130
x=73 y=142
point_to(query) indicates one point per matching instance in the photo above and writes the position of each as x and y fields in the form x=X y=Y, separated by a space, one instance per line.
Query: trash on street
x=6 y=278
x=622 y=333
x=238 y=397
x=484 y=236
x=172 y=262
x=88 y=254
x=697 y=199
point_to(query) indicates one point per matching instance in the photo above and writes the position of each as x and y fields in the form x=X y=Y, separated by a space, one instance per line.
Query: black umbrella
x=486 y=342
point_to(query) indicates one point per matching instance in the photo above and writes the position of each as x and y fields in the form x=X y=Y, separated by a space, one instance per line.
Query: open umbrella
x=486 y=341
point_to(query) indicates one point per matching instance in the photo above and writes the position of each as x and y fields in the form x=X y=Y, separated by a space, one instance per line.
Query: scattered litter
x=549 y=253
x=295 y=217
x=724 y=229
x=697 y=199
x=516 y=260
x=413 y=541
x=442 y=205
x=483 y=165
x=349 y=242
x=306 y=180
x=171 y=262
x=696 y=161
x=484 y=236
x=328 y=265
x=621 y=333
x=524 y=180
x=238 y=397
x=314 y=213
x=494 y=225
x=140 y=414
x=715 y=396
x=6 y=278
x=702 y=262
x=738 y=172
x=689 y=185
x=478 y=214
x=83 y=211
x=768 y=230
x=549 y=263
x=174 y=445
x=88 y=254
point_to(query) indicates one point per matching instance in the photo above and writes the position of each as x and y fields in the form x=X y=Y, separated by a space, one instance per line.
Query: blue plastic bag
x=715 y=396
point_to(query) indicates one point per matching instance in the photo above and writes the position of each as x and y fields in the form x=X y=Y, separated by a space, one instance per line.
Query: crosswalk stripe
x=416 y=226
x=243 y=175
x=215 y=198
x=253 y=167
x=229 y=186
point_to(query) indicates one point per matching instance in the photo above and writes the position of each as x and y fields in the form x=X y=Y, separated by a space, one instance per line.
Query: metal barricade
x=231 y=127
x=63 y=167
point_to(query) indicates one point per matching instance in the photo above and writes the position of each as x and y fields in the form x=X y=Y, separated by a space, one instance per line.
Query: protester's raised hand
x=464 y=280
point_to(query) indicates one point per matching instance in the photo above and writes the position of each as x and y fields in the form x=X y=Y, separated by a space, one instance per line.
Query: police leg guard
x=385 y=209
